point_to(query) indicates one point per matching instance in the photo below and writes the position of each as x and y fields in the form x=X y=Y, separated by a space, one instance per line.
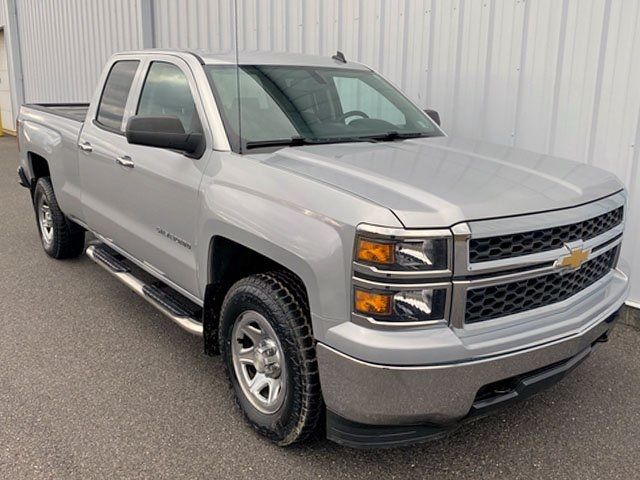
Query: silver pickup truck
x=355 y=267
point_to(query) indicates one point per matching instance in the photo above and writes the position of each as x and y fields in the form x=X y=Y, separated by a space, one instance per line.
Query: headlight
x=411 y=254
x=371 y=251
x=423 y=305
x=428 y=254
x=401 y=277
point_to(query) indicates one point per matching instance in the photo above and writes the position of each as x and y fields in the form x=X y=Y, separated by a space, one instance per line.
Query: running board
x=172 y=304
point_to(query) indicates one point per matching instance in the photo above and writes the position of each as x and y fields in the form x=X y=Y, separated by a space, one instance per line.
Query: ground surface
x=95 y=384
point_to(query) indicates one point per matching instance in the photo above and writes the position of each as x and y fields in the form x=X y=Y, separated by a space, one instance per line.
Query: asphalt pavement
x=94 y=383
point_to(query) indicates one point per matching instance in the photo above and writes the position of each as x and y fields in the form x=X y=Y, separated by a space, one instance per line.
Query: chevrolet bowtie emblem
x=575 y=259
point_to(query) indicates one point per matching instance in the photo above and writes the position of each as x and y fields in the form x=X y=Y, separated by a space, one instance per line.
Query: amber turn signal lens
x=375 y=252
x=372 y=303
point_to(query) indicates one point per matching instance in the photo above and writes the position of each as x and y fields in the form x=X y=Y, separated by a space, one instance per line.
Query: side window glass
x=166 y=92
x=115 y=94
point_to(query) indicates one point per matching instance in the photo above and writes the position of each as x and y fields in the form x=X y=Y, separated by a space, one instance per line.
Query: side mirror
x=162 y=132
x=435 y=116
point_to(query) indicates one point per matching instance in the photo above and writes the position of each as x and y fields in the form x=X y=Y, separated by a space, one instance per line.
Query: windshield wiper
x=393 y=135
x=300 y=141
x=278 y=142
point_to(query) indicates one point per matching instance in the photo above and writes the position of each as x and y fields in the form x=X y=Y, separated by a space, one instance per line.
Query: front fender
x=265 y=214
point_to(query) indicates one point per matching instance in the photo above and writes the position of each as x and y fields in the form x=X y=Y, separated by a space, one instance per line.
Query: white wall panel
x=552 y=76
x=65 y=44
x=578 y=79
x=3 y=19
x=539 y=83
x=199 y=24
x=472 y=69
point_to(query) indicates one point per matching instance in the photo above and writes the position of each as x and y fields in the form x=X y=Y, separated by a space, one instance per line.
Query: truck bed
x=72 y=111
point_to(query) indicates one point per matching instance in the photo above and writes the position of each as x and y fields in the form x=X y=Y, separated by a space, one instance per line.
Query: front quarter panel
x=304 y=225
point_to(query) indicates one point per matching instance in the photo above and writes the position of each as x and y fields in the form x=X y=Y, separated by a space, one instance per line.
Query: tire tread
x=68 y=239
x=285 y=289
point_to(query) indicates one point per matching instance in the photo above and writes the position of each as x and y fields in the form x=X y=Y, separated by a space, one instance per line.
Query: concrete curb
x=630 y=316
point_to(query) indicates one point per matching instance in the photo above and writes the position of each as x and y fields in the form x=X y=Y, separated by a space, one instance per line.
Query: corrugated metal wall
x=65 y=44
x=556 y=76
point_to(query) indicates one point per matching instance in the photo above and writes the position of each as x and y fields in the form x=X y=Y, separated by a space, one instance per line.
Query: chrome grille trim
x=499 y=301
x=549 y=256
x=460 y=287
x=468 y=276
x=505 y=246
x=504 y=226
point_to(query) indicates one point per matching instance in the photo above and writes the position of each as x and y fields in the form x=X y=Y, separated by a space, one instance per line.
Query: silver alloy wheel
x=258 y=362
x=45 y=220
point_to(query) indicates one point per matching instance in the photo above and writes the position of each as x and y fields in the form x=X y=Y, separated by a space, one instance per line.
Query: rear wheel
x=269 y=356
x=61 y=238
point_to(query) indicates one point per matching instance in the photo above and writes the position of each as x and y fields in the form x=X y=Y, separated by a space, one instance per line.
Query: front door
x=151 y=211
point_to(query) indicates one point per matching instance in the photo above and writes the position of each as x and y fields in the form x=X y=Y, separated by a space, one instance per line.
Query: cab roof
x=253 y=57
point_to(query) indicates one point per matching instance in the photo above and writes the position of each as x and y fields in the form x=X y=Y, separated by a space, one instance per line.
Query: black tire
x=281 y=300
x=64 y=238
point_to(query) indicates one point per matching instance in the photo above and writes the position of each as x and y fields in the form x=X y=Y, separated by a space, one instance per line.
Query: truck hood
x=438 y=182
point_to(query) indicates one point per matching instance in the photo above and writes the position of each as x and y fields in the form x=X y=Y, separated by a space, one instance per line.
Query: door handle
x=85 y=147
x=125 y=161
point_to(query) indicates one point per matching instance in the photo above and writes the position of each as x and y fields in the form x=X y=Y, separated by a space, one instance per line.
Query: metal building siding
x=552 y=76
x=65 y=44
x=199 y=24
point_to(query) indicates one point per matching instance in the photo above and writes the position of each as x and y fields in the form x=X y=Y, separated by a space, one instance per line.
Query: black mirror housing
x=435 y=116
x=163 y=132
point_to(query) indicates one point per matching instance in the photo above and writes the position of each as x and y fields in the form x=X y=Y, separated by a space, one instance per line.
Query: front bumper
x=376 y=405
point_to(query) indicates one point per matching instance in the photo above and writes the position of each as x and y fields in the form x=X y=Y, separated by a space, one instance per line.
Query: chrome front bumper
x=372 y=394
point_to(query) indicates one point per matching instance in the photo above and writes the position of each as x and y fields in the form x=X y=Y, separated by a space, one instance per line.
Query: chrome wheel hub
x=265 y=358
x=45 y=220
x=258 y=362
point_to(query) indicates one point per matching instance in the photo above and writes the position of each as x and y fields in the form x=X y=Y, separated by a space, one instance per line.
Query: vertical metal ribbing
x=146 y=18
x=487 y=71
x=432 y=24
x=521 y=67
x=562 y=37
x=598 y=87
x=457 y=67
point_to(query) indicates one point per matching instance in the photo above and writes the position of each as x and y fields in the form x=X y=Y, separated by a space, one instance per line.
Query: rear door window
x=115 y=94
x=166 y=92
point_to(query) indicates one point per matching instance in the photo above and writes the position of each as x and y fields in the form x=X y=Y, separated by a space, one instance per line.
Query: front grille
x=526 y=243
x=486 y=303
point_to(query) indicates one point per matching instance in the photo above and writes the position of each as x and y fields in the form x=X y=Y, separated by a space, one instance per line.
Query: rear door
x=101 y=142
x=153 y=206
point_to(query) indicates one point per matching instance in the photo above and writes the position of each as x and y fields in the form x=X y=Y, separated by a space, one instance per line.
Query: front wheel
x=61 y=238
x=269 y=356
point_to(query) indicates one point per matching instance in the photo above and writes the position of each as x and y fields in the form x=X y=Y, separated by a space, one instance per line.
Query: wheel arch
x=38 y=168
x=228 y=261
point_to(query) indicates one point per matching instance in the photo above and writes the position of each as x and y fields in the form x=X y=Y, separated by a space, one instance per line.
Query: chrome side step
x=168 y=304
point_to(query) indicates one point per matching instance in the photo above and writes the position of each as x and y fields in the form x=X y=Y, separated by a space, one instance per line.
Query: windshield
x=291 y=105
